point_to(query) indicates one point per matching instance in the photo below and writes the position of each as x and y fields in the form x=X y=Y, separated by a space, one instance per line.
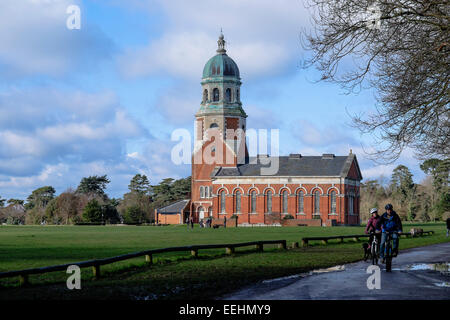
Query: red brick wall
x=340 y=216
x=296 y=222
x=169 y=218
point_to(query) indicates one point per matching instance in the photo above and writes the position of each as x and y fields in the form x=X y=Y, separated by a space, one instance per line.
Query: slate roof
x=294 y=166
x=174 y=207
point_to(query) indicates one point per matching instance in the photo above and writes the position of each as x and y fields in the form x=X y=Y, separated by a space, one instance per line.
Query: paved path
x=412 y=277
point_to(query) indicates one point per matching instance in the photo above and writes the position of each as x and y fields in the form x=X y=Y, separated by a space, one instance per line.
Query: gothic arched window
x=316 y=201
x=205 y=95
x=284 y=202
x=237 y=203
x=228 y=95
x=300 y=207
x=253 y=201
x=222 y=201
x=269 y=201
x=215 y=94
x=333 y=201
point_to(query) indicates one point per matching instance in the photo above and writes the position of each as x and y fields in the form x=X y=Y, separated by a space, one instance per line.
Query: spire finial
x=221 y=43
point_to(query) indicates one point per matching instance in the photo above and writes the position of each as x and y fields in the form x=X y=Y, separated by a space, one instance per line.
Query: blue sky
x=105 y=99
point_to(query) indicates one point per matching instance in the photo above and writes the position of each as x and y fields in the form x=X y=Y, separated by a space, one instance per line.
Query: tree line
x=427 y=201
x=89 y=203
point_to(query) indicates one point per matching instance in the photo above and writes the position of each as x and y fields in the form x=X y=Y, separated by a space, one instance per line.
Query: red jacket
x=372 y=224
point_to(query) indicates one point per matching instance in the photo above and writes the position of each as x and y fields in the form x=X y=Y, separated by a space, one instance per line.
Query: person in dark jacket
x=372 y=226
x=389 y=222
x=448 y=226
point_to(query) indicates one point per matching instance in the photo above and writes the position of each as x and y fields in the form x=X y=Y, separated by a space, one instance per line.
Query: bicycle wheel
x=373 y=252
x=388 y=259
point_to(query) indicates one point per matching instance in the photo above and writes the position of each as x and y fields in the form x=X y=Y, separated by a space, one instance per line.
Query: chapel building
x=321 y=190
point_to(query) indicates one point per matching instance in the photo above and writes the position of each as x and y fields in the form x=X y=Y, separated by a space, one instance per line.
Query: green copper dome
x=220 y=65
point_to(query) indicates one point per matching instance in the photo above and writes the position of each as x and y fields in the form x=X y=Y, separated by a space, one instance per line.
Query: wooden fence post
x=356 y=239
x=282 y=245
x=229 y=250
x=304 y=242
x=194 y=253
x=149 y=259
x=294 y=245
x=23 y=280
x=96 y=271
x=341 y=239
x=260 y=247
x=324 y=241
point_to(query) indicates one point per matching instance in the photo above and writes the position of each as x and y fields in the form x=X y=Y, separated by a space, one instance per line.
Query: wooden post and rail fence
x=148 y=254
x=95 y=264
x=355 y=238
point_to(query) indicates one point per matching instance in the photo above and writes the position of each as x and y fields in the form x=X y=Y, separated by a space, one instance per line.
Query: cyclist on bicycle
x=389 y=222
x=371 y=227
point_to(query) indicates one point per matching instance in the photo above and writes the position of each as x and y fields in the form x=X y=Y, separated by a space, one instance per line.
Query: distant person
x=192 y=223
x=225 y=222
x=389 y=222
x=448 y=225
x=371 y=227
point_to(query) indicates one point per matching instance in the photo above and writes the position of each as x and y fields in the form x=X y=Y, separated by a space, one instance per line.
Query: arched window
x=316 y=201
x=284 y=202
x=269 y=201
x=333 y=201
x=253 y=201
x=202 y=192
x=214 y=125
x=237 y=201
x=222 y=201
x=215 y=94
x=205 y=95
x=228 y=95
x=300 y=207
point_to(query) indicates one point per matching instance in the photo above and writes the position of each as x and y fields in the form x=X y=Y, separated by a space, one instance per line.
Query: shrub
x=92 y=212
x=133 y=215
x=288 y=216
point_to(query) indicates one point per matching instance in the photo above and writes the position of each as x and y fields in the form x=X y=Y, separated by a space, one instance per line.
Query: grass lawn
x=174 y=275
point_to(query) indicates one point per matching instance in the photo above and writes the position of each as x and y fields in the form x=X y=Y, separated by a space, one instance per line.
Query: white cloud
x=34 y=39
x=49 y=126
x=263 y=37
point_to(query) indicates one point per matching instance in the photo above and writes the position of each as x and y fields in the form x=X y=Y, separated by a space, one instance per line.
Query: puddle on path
x=441 y=267
x=442 y=284
x=310 y=273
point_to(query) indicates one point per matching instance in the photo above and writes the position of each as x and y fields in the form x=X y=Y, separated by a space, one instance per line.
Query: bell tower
x=221 y=107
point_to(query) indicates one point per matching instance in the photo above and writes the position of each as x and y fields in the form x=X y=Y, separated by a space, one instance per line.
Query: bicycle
x=388 y=248
x=374 y=249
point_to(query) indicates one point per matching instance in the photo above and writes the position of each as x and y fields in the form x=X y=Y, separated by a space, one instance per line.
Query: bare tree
x=401 y=49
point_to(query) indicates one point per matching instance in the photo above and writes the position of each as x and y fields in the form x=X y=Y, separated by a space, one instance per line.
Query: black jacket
x=383 y=219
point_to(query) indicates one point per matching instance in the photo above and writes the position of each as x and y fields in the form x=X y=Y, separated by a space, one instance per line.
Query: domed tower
x=221 y=107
